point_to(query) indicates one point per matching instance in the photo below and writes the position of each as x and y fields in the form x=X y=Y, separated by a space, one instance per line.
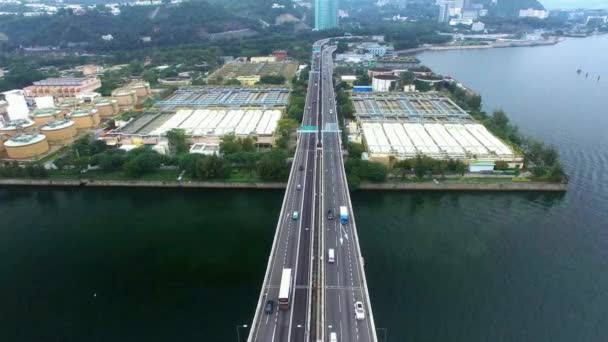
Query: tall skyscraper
x=326 y=14
x=401 y=4
x=444 y=13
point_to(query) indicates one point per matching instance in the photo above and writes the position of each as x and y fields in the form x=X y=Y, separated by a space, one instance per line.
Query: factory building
x=404 y=125
x=16 y=104
x=208 y=113
x=26 y=146
x=85 y=118
x=15 y=127
x=63 y=87
x=107 y=108
x=59 y=131
x=371 y=72
x=46 y=115
x=125 y=97
x=3 y=110
x=384 y=83
x=142 y=89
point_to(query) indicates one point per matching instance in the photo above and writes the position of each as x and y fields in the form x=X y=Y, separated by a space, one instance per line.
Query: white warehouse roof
x=456 y=141
x=222 y=121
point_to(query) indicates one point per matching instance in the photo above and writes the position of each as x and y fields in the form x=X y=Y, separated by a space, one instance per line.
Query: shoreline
x=479 y=47
x=423 y=186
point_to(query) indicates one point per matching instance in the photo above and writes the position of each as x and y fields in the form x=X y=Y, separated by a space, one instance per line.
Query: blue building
x=326 y=14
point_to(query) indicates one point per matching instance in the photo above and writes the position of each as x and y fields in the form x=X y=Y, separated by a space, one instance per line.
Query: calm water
x=167 y=265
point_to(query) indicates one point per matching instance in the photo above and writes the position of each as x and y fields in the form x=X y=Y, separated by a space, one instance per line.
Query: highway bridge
x=321 y=295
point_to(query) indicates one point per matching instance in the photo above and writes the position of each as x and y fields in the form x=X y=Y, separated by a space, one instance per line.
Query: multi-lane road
x=322 y=297
x=344 y=280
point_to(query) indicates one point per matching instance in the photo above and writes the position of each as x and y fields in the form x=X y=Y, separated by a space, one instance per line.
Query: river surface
x=187 y=265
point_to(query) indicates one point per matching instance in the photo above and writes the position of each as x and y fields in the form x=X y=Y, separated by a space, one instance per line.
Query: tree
x=342 y=47
x=355 y=150
x=403 y=166
x=110 y=160
x=141 y=161
x=461 y=168
x=272 y=79
x=150 y=76
x=422 y=86
x=500 y=120
x=373 y=171
x=419 y=168
x=246 y=161
x=363 y=80
x=474 y=102
x=407 y=78
x=501 y=165
x=439 y=167
x=247 y=144
x=229 y=144
x=232 y=82
x=212 y=167
x=273 y=166
x=178 y=143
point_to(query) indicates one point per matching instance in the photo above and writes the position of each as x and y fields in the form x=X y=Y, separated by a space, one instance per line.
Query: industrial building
x=26 y=146
x=125 y=97
x=208 y=113
x=107 y=108
x=226 y=96
x=85 y=118
x=397 y=62
x=15 y=127
x=384 y=83
x=416 y=107
x=207 y=123
x=16 y=105
x=59 y=131
x=205 y=149
x=46 y=115
x=63 y=86
x=404 y=125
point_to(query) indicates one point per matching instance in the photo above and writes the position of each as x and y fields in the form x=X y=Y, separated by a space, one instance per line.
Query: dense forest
x=166 y=24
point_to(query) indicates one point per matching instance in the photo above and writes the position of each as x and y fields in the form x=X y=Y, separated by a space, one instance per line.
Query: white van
x=331 y=256
x=333 y=337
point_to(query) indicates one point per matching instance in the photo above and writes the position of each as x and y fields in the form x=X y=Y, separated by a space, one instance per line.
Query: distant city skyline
x=556 y=4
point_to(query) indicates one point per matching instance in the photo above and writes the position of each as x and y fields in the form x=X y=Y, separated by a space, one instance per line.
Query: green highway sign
x=308 y=129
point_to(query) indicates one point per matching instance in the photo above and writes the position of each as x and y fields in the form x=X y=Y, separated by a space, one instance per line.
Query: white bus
x=285 y=289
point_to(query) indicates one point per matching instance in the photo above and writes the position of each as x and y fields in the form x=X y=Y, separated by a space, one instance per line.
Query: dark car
x=269 y=307
x=301 y=167
x=330 y=214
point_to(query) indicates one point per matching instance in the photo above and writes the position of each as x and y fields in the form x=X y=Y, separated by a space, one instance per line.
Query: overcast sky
x=575 y=3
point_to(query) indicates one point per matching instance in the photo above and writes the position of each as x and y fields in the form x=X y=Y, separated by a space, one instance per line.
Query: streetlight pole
x=238 y=336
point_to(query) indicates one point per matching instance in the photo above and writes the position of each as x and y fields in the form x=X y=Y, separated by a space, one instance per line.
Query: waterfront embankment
x=390 y=186
x=495 y=45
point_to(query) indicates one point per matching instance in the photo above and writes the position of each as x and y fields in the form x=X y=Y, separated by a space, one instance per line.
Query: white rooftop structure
x=218 y=122
x=206 y=149
x=24 y=140
x=436 y=140
x=17 y=106
x=44 y=102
